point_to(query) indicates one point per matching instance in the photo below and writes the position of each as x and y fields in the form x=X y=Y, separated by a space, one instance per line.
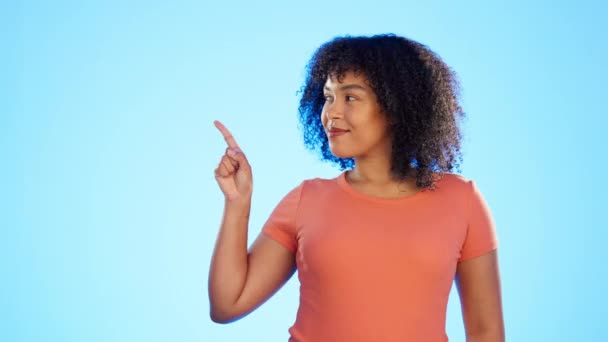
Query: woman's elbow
x=224 y=317
x=220 y=318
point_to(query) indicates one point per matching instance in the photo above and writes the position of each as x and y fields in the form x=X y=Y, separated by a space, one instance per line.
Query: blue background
x=109 y=208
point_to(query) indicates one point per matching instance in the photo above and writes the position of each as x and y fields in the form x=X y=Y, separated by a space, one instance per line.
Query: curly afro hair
x=417 y=91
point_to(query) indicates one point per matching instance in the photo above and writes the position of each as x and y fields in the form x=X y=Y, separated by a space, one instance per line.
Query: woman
x=377 y=247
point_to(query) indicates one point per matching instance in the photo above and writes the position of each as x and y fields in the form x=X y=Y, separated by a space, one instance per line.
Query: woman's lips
x=336 y=133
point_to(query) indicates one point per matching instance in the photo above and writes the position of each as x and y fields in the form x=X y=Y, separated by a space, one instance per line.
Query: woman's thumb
x=239 y=156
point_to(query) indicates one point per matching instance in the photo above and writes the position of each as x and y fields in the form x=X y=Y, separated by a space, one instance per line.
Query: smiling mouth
x=335 y=133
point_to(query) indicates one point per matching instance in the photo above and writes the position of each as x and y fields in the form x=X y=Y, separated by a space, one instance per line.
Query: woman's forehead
x=347 y=78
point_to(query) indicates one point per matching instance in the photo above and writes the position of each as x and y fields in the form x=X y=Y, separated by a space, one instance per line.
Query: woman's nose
x=333 y=111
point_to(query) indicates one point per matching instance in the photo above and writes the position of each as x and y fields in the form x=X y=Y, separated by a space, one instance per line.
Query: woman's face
x=351 y=108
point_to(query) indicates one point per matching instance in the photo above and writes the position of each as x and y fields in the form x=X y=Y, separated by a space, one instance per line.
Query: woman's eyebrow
x=348 y=87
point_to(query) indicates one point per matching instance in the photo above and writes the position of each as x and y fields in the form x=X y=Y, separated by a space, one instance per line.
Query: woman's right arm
x=241 y=280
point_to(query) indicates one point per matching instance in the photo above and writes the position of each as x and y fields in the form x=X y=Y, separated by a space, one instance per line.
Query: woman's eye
x=348 y=98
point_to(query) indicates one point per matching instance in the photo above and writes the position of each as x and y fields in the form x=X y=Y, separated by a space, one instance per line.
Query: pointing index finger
x=227 y=135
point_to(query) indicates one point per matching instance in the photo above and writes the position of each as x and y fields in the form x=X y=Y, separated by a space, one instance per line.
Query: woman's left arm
x=478 y=283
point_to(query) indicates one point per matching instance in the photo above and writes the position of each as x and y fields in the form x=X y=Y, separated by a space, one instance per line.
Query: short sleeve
x=281 y=225
x=481 y=231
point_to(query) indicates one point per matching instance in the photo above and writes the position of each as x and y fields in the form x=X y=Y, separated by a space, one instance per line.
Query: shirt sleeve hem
x=478 y=253
x=281 y=240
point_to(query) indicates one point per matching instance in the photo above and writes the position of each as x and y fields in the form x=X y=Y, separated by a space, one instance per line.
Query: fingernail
x=231 y=152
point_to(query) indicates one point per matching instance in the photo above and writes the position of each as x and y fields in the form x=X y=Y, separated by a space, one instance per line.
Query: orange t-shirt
x=376 y=269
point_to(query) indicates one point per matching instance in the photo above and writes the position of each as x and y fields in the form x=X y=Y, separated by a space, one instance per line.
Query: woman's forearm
x=228 y=270
x=487 y=336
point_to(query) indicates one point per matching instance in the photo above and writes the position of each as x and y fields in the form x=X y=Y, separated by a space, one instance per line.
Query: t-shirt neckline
x=343 y=183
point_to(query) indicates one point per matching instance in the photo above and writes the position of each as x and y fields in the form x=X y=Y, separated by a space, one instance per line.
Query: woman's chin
x=340 y=153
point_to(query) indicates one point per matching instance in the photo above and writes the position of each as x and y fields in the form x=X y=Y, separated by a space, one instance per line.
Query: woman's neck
x=374 y=176
x=374 y=170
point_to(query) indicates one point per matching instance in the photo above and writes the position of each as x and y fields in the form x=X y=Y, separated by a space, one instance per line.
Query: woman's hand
x=233 y=173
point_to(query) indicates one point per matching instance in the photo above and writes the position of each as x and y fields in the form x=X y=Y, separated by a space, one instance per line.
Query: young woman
x=377 y=247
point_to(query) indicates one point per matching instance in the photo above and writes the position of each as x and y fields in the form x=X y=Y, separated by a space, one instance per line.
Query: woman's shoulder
x=318 y=184
x=320 y=181
x=445 y=182
x=444 y=178
x=453 y=178
x=452 y=182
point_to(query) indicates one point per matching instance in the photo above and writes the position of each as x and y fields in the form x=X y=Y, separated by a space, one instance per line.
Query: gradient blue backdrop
x=109 y=208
